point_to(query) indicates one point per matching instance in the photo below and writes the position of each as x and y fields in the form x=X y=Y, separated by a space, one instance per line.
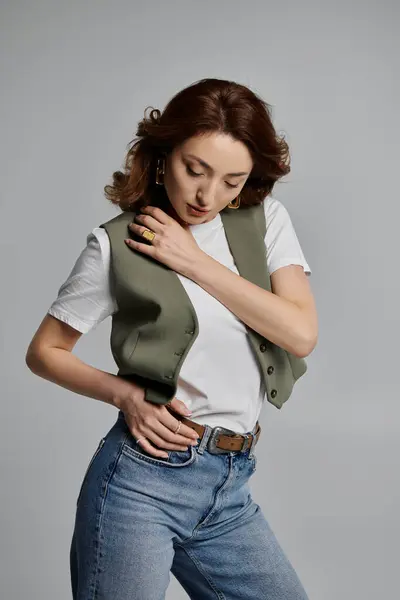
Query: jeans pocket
x=176 y=458
x=96 y=452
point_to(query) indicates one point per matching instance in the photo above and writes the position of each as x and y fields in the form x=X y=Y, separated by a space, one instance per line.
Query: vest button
x=273 y=393
x=178 y=353
x=263 y=347
x=190 y=331
x=270 y=370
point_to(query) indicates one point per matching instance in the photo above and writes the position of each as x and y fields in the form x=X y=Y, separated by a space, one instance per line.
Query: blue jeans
x=140 y=517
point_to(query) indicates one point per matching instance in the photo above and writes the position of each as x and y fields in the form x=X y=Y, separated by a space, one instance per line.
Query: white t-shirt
x=220 y=380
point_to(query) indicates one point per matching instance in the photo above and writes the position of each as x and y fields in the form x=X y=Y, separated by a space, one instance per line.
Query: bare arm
x=286 y=316
x=50 y=356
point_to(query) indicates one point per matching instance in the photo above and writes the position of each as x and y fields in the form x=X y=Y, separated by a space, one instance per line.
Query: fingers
x=157 y=213
x=157 y=425
x=164 y=435
x=161 y=433
x=147 y=221
x=147 y=447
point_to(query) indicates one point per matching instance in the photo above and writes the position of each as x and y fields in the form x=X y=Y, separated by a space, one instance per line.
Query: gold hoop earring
x=160 y=171
x=233 y=204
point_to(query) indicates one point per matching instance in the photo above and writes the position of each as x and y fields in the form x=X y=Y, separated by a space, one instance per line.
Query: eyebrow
x=207 y=166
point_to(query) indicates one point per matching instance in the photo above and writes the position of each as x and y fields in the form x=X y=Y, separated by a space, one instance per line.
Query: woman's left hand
x=173 y=244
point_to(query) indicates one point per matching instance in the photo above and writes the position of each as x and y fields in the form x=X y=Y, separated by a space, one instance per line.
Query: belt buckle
x=212 y=440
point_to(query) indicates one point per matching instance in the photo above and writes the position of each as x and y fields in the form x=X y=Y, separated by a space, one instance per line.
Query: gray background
x=75 y=79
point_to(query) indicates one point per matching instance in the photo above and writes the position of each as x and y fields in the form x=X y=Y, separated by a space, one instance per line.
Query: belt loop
x=204 y=439
x=253 y=442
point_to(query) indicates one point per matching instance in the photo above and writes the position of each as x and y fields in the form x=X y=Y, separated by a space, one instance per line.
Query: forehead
x=221 y=151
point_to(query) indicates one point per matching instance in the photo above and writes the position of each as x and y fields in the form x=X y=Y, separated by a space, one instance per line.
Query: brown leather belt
x=221 y=439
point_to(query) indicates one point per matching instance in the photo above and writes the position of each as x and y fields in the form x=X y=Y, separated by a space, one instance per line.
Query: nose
x=208 y=193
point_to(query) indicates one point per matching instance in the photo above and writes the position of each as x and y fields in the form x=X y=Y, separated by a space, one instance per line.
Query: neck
x=164 y=203
x=169 y=209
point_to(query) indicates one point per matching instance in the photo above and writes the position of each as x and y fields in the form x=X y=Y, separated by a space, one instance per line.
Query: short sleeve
x=86 y=297
x=281 y=241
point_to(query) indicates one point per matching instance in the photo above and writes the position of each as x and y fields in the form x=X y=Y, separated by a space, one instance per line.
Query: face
x=206 y=172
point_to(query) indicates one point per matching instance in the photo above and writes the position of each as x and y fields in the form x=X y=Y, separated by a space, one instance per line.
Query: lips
x=198 y=208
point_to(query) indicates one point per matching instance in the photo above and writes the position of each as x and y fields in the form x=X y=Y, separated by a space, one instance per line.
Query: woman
x=212 y=314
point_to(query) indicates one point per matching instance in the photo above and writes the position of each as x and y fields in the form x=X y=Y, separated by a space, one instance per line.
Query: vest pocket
x=132 y=345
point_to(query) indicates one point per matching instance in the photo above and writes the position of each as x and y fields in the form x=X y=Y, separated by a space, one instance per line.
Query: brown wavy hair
x=206 y=106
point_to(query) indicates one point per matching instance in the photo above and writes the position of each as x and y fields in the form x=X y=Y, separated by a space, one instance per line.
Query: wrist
x=123 y=390
x=197 y=265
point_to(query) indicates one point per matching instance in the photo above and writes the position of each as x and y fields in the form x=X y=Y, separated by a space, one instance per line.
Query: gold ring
x=148 y=235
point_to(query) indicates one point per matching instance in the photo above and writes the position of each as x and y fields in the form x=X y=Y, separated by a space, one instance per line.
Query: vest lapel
x=246 y=242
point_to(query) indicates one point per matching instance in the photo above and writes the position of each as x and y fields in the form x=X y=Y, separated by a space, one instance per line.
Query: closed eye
x=194 y=174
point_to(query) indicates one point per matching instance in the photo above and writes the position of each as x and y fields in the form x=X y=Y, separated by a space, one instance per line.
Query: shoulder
x=94 y=256
x=85 y=298
x=116 y=228
x=274 y=210
x=119 y=221
x=98 y=241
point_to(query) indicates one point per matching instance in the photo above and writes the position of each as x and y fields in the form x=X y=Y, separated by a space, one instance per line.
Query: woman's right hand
x=154 y=422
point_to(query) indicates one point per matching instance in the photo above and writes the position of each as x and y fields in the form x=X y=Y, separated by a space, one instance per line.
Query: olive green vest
x=156 y=324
